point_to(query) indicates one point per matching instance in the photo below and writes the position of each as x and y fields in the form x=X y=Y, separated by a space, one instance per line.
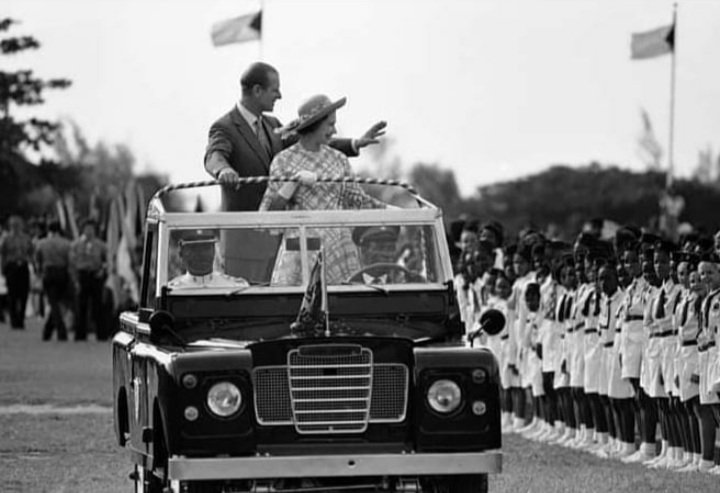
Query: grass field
x=76 y=453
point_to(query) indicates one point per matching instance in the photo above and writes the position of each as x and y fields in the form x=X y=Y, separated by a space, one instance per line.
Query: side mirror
x=492 y=322
x=161 y=326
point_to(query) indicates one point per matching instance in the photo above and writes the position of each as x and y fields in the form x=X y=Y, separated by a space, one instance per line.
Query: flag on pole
x=650 y=44
x=650 y=150
x=237 y=30
x=313 y=312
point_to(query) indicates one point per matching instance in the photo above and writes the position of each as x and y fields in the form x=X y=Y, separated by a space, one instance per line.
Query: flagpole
x=671 y=146
x=323 y=285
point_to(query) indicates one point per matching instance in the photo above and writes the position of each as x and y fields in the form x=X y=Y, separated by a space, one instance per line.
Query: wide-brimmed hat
x=311 y=111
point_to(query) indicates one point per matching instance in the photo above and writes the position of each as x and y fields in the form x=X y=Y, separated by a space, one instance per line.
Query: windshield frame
x=302 y=220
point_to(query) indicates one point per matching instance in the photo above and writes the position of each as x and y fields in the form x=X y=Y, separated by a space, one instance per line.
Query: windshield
x=243 y=257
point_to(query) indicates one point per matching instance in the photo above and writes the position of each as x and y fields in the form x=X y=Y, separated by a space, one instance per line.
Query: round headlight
x=224 y=399
x=444 y=396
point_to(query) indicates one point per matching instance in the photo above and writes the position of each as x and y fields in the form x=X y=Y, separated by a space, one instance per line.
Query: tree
x=439 y=186
x=708 y=168
x=103 y=171
x=21 y=88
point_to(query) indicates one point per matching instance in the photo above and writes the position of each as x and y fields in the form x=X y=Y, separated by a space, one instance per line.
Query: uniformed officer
x=16 y=253
x=197 y=252
x=88 y=264
x=53 y=260
x=378 y=256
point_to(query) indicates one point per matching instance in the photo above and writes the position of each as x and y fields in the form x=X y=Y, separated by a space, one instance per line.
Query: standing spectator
x=37 y=229
x=88 y=261
x=53 y=263
x=16 y=252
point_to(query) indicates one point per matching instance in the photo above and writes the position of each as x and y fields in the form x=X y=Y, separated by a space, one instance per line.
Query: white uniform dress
x=531 y=371
x=657 y=363
x=518 y=314
x=576 y=337
x=566 y=326
x=499 y=342
x=550 y=329
x=686 y=362
x=632 y=335
x=708 y=347
x=611 y=315
x=713 y=328
x=593 y=344
x=462 y=293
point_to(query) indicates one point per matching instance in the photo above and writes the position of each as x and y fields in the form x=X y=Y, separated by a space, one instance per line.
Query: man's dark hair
x=257 y=74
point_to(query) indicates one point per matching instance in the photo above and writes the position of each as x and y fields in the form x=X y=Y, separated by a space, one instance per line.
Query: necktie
x=262 y=136
x=609 y=311
x=660 y=307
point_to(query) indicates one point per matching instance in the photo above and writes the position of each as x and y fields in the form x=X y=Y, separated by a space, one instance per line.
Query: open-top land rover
x=223 y=384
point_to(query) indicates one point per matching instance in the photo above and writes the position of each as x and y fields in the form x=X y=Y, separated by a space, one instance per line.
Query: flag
x=648 y=146
x=650 y=44
x=313 y=310
x=237 y=30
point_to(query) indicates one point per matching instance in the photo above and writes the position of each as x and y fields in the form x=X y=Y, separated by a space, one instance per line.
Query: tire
x=466 y=483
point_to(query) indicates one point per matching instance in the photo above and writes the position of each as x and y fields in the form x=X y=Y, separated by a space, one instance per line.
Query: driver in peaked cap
x=378 y=256
x=197 y=252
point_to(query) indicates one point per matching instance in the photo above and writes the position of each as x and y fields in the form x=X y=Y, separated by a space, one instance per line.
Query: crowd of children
x=605 y=340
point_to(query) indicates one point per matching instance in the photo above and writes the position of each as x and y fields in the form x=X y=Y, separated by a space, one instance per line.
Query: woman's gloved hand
x=306 y=177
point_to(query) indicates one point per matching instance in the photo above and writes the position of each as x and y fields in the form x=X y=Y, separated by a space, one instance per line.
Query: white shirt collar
x=200 y=280
x=368 y=279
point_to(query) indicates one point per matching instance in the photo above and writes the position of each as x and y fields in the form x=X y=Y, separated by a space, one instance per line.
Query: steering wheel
x=384 y=267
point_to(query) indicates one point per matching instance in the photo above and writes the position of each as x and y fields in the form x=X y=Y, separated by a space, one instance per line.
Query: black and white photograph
x=357 y=246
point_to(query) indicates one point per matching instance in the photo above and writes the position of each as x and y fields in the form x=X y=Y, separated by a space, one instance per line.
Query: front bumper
x=341 y=465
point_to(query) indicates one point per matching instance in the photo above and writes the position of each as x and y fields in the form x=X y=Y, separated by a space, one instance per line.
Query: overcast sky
x=492 y=89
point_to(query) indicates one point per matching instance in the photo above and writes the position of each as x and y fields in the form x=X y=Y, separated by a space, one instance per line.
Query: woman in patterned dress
x=308 y=158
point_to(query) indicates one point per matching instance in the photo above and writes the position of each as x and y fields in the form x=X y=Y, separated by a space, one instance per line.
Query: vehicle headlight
x=224 y=399
x=444 y=396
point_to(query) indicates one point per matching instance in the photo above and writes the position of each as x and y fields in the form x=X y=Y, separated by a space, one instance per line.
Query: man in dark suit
x=243 y=142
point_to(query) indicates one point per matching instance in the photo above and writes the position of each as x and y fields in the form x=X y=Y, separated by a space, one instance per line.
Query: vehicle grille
x=330 y=389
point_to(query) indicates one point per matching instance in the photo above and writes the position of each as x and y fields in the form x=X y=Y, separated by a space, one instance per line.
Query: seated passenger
x=197 y=252
x=379 y=257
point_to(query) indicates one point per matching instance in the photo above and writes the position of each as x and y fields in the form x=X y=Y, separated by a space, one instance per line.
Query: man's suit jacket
x=232 y=137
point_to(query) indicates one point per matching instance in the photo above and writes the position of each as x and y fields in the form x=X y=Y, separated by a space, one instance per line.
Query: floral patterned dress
x=341 y=254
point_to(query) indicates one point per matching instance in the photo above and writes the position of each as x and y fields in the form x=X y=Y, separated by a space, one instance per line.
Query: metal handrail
x=253 y=180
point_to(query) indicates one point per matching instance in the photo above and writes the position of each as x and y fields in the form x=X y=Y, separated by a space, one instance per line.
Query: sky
x=492 y=89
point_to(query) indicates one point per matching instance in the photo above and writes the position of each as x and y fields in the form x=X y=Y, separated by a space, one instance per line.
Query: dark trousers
x=55 y=284
x=90 y=294
x=17 y=276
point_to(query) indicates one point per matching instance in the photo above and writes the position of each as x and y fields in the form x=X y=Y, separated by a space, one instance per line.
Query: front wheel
x=465 y=483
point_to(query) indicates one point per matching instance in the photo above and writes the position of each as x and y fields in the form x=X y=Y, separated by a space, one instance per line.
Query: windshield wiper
x=376 y=287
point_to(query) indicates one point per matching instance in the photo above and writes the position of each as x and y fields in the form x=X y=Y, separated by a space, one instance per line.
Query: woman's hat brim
x=304 y=122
